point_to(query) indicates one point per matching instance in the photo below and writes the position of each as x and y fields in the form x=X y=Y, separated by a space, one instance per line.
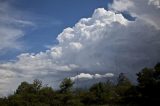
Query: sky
x=47 y=18
x=53 y=39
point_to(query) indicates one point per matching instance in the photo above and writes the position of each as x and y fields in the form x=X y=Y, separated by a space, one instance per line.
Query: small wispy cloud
x=11 y=27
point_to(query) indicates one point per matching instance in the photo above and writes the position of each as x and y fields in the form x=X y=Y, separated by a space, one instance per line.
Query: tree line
x=108 y=93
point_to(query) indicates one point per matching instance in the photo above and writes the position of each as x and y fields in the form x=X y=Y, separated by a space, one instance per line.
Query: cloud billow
x=104 y=43
x=84 y=76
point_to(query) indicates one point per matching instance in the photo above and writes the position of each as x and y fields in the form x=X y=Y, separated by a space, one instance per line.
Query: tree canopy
x=108 y=93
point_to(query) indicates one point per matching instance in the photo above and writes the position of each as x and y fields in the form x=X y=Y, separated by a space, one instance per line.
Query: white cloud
x=84 y=76
x=121 y=5
x=75 y=45
x=76 y=48
x=154 y=2
x=105 y=42
x=147 y=10
x=8 y=37
x=11 y=27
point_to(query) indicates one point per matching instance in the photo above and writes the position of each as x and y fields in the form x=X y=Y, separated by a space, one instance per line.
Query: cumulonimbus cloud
x=104 y=43
x=147 y=10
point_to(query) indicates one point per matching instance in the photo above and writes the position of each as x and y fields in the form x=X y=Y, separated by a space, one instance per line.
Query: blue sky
x=50 y=18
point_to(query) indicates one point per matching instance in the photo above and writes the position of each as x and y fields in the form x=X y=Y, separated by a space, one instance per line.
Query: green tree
x=123 y=84
x=157 y=67
x=146 y=82
x=66 y=85
x=47 y=95
x=24 y=87
x=149 y=83
x=123 y=80
x=37 y=85
x=98 y=91
x=102 y=92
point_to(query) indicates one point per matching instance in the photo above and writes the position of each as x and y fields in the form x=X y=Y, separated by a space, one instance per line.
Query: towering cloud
x=104 y=43
x=148 y=10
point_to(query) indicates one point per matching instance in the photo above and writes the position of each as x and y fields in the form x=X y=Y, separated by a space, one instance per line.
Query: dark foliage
x=121 y=93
